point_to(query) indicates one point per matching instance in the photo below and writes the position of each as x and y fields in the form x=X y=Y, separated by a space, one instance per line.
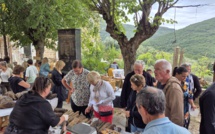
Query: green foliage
x=111 y=54
x=130 y=30
x=33 y=20
x=201 y=67
x=92 y=49
x=109 y=42
x=152 y=55
x=92 y=56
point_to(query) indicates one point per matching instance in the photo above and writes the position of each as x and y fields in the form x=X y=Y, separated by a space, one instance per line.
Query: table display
x=4 y=113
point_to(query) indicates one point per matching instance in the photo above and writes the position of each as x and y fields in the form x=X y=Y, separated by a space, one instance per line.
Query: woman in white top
x=101 y=97
x=5 y=74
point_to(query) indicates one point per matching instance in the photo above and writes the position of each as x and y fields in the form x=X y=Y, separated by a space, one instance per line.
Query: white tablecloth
x=7 y=111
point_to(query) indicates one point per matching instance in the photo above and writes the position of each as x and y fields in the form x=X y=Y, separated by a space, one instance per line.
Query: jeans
x=136 y=129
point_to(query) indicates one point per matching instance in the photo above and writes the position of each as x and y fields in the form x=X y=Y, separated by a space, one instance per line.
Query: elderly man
x=126 y=89
x=172 y=90
x=193 y=81
x=80 y=87
x=151 y=105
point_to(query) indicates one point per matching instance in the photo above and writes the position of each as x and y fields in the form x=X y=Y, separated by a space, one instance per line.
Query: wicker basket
x=113 y=83
x=4 y=121
x=106 y=78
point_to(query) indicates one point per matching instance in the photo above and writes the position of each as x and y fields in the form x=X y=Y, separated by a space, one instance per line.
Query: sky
x=188 y=15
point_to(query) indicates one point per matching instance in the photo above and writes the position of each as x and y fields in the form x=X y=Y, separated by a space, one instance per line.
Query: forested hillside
x=197 y=40
x=129 y=31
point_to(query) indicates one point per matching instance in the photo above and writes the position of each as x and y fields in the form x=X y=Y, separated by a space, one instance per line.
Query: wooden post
x=175 y=57
x=181 y=57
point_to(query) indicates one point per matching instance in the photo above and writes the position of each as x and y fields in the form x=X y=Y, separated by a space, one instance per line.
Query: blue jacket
x=44 y=70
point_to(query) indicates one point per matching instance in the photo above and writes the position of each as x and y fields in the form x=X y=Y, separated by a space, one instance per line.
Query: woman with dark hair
x=16 y=82
x=181 y=74
x=136 y=123
x=32 y=113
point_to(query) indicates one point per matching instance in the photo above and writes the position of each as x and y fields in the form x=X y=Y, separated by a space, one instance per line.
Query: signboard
x=69 y=44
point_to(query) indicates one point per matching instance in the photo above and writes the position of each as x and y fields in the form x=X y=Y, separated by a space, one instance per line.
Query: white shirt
x=6 y=75
x=106 y=97
x=31 y=73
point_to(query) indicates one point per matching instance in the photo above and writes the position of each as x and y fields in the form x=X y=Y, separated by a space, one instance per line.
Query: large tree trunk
x=129 y=57
x=5 y=46
x=40 y=47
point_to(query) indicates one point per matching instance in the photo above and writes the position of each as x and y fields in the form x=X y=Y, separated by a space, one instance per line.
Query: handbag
x=105 y=110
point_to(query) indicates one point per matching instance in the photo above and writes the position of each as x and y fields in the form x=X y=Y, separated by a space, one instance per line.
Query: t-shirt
x=5 y=75
x=160 y=86
x=14 y=84
x=31 y=73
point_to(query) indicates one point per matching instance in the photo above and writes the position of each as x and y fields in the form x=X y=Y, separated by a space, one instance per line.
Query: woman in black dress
x=58 y=87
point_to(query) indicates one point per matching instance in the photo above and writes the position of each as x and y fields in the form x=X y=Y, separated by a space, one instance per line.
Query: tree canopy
x=115 y=12
x=37 y=21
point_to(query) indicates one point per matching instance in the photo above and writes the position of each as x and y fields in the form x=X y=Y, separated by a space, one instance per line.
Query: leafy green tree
x=151 y=56
x=201 y=67
x=109 y=42
x=37 y=21
x=92 y=49
x=115 y=12
x=3 y=27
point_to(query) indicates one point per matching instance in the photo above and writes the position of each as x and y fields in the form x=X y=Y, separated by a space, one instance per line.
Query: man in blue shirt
x=151 y=106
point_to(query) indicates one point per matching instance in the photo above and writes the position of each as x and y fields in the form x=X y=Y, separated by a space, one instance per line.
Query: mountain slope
x=130 y=31
x=197 y=40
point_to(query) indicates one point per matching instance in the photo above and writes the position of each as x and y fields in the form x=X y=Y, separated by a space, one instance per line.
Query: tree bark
x=39 y=47
x=129 y=57
x=144 y=29
x=5 y=46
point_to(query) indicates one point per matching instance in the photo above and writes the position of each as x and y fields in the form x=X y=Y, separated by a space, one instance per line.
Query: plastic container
x=194 y=113
x=118 y=73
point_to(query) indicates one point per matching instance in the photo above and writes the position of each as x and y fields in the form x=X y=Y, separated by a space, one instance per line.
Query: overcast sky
x=188 y=15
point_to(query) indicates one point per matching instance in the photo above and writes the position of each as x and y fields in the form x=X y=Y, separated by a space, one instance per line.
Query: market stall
x=4 y=113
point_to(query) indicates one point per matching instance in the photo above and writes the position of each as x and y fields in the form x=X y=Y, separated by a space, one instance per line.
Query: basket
x=4 y=121
x=106 y=78
x=113 y=83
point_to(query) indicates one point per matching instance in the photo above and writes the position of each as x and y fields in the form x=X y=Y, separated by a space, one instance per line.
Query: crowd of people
x=151 y=105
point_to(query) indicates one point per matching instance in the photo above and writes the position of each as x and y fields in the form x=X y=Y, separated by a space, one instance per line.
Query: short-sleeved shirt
x=81 y=94
x=164 y=126
x=14 y=84
x=31 y=73
x=6 y=75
